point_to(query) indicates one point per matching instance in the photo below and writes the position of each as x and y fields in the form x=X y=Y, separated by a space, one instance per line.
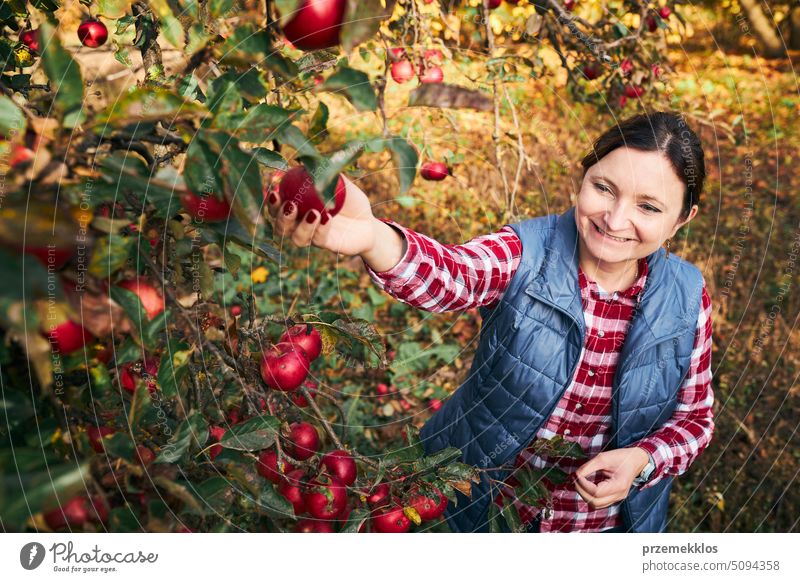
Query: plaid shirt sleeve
x=678 y=442
x=438 y=277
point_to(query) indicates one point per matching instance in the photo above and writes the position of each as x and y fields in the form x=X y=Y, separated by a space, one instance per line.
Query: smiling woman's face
x=614 y=198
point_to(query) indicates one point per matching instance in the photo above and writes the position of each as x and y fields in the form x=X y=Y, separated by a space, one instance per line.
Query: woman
x=591 y=331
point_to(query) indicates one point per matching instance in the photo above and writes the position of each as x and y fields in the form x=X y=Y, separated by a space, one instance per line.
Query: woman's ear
x=692 y=214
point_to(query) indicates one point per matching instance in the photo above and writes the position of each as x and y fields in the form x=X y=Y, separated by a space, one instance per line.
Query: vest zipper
x=625 y=507
x=526 y=441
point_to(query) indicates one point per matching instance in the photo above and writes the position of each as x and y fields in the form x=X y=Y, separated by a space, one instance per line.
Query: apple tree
x=152 y=376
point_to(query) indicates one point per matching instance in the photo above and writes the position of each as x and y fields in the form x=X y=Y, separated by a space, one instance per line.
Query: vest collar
x=557 y=283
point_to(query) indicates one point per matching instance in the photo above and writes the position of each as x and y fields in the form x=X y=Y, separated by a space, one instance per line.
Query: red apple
x=310 y=341
x=569 y=4
x=429 y=508
x=145 y=455
x=284 y=366
x=20 y=157
x=303 y=440
x=291 y=488
x=325 y=498
x=382 y=389
x=435 y=404
x=390 y=520
x=68 y=337
x=215 y=434
x=96 y=435
x=378 y=496
x=92 y=33
x=634 y=91
x=626 y=67
x=30 y=38
x=151 y=299
x=206 y=208
x=397 y=53
x=267 y=466
x=623 y=101
x=432 y=74
x=316 y=24
x=664 y=12
x=98 y=510
x=74 y=513
x=132 y=371
x=299 y=399
x=236 y=310
x=591 y=72
x=341 y=464
x=433 y=56
x=402 y=71
x=494 y=4
x=313 y=526
x=435 y=171
x=297 y=186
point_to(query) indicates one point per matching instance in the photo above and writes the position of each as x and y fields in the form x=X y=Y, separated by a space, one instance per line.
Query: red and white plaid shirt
x=438 y=277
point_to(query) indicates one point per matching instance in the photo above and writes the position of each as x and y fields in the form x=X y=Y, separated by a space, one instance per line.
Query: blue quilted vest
x=528 y=352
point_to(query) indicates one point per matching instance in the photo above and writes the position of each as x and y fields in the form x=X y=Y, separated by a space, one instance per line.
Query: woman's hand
x=616 y=470
x=350 y=232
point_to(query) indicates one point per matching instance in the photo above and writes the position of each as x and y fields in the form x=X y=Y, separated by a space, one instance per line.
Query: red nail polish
x=311 y=217
x=289 y=208
x=325 y=218
x=272 y=198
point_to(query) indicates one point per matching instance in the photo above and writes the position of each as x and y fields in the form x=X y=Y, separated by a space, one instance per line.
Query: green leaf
x=149 y=104
x=287 y=9
x=292 y=136
x=326 y=171
x=511 y=515
x=170 y=26
x=270 y=159
x=442 y=457
x=242 y=178
x=32 y=480
x=64 y=74
x=112 y=8
x=257 y=124
x=109 y=255
x=362 y=21
x=274 y=504
x=355 y=86
x=192 y=430
x=319 y=124
x=404 y=155
x=404 y=455
x=173 y=368
x=132 y=306
x=233 y=231
x=12 y=120
x=215 y=494
x=496 y=519
x=249 y=45
x=254 y=435
x=355 y=520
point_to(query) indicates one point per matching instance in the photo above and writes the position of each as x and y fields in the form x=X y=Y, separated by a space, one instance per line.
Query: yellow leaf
x=259 y=275
x=413 y=515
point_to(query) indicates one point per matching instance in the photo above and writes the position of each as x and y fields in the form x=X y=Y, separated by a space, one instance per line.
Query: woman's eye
x=650 y=208
x=602 y=188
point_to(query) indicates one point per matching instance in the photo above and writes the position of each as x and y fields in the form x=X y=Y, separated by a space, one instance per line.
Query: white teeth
x=609 y=236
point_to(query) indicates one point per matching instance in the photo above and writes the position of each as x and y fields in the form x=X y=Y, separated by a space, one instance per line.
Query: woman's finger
x=305 y=229
x=285 y=222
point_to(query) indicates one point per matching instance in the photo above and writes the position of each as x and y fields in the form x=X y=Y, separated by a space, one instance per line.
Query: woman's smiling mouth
x=605 y=236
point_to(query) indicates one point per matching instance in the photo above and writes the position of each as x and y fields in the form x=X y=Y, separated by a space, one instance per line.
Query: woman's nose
x=617 y=218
